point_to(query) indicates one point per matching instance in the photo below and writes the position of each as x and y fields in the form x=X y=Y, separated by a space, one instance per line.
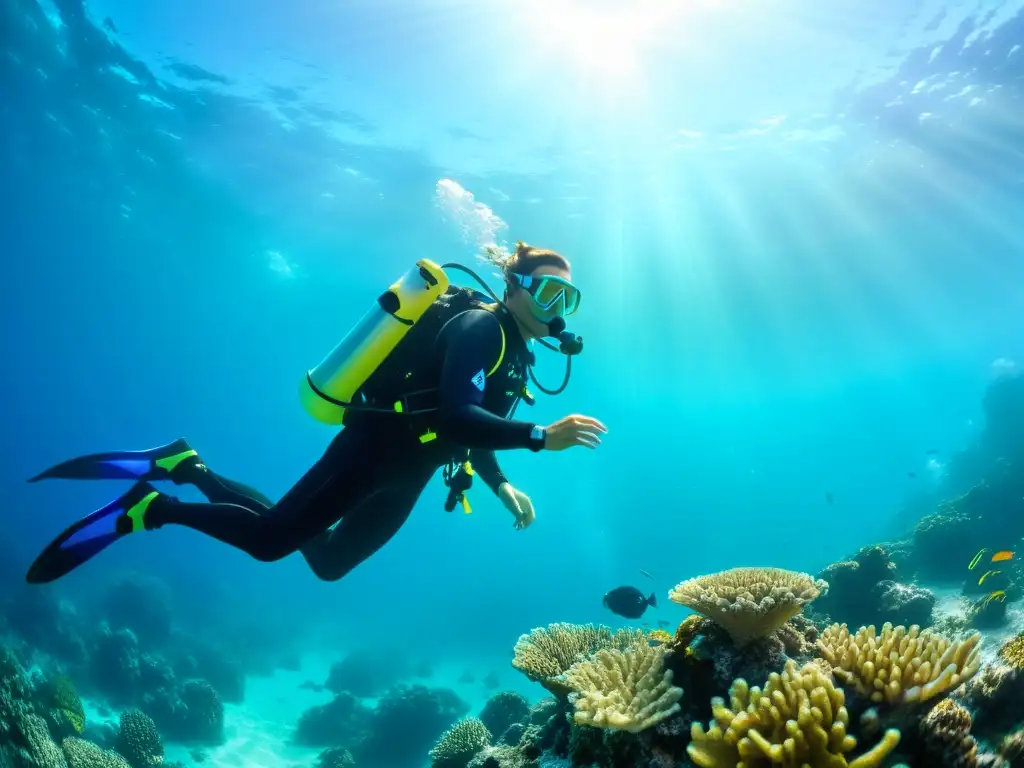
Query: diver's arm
x=471 y=344
x=485 y=464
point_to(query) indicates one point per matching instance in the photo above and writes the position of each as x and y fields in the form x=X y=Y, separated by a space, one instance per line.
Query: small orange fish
x=999 y=557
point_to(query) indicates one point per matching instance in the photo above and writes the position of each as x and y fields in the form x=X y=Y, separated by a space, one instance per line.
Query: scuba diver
x=429 y=378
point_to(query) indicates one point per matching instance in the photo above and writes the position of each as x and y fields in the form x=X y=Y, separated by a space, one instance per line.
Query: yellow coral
x=659 y=636
x=749 y=602
x=1012 y=651
x=545 y=653
x=799 y=720
x=627 y=691
x=899 y=665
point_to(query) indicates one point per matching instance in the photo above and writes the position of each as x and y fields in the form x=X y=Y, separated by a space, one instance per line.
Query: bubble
x=476 y=223
x=279 y=264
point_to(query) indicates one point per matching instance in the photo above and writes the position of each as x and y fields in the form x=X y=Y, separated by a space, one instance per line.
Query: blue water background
x=798 y=266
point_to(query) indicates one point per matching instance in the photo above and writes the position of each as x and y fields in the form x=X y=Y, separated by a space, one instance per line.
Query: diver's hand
x=519 y=504
x=573 y=430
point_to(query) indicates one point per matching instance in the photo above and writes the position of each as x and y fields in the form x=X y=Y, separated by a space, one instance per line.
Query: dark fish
x=628 y=602
x=911 y=475
x=109 y=24
x=829 y=498
x=662 y=623
x=309 y=685
x=645 y=573
x=931 y=451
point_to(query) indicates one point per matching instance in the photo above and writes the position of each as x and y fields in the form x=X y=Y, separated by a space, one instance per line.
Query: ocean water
x=796 y=228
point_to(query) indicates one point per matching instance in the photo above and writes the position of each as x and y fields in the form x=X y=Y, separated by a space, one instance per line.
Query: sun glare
x=603 y=40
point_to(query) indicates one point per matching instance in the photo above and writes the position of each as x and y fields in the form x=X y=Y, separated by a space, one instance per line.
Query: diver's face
x=532 y=318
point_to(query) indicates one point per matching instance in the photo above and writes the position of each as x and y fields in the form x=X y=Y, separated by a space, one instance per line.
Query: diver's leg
x=348 y=473
x=365 y=528
x=224 y=490
x=176 y=461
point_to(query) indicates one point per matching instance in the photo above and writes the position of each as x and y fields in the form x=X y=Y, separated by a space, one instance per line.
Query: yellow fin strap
x=170 y=462
x=137 y=513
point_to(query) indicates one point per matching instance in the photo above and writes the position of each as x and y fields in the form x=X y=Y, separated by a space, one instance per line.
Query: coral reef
x=899 y=665
x=205 y=660
x=749 y=603
x=25 y=740
x=905 y=604
x=460 y=744
x=502 y=757
x=194 y=713
x=624 y=690
x=865 y=590
x=705 y=660
x=114 y=666
x=138 y=740
x=85 y=754
x=990 y=515
x=139 y=603
x=1012 y=748
x=406 y=722
x=850 y=584
x=58 y=700
x=545 y=653
x=342 y=721
x=1012 y=652
x=994 y=698
x=946 y=735
x=367 y=671
x=335 y=757
x=503 y=710
x=988 y=613
x=799 y=718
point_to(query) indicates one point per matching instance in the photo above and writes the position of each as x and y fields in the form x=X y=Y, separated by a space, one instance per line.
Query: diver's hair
x=523 y=260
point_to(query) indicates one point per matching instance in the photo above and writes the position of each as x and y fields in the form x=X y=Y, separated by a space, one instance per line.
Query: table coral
x=749 y=603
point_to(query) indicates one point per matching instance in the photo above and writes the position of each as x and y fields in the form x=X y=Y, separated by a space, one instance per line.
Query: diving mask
x=553 y=295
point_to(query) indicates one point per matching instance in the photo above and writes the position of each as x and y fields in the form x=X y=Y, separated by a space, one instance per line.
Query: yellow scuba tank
x=327 y=390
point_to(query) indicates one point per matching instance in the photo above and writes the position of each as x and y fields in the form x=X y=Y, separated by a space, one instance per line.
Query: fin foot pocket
x=92 y=534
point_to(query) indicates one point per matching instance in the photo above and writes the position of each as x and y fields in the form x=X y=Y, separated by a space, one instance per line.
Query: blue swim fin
x=165 y=462
x=92 y=534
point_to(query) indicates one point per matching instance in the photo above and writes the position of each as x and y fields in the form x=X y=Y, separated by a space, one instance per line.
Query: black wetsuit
x=375 y=469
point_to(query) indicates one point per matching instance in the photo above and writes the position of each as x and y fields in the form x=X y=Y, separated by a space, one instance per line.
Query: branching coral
x=628 y=691
x=545 y=653
x=460 y=743
x=749 y=602
x=799 y=720
x=899 y=665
